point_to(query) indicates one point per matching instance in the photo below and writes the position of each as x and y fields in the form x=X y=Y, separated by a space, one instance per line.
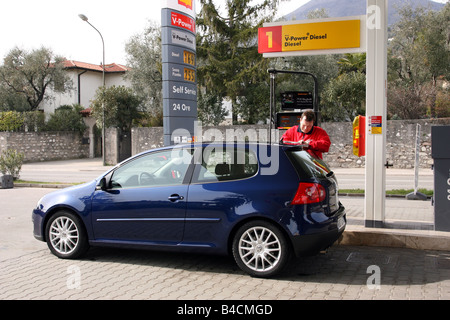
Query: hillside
x=343 y=8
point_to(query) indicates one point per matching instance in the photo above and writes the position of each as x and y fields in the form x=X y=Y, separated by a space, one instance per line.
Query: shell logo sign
x=184 y=6
x=186 y=3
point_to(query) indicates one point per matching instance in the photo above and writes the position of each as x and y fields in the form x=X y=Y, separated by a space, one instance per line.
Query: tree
x=27 y=75
x=121 y=107
x=352 y=62
x=419 y=56
x=434 y=44
x=144 y=59
x=408 y=102
x=254 y=105
x=12 y=101
x=420 y=43
x=67 y=118
x=210 y=111
x=345 y=97
x=228 y=62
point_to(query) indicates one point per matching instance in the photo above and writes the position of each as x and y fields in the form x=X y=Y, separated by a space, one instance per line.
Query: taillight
x=308 y=192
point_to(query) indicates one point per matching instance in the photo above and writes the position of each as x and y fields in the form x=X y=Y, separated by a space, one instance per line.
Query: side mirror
x=102 y=185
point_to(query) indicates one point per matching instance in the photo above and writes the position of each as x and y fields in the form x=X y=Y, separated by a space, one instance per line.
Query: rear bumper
x=321 y=238
x=311 y=244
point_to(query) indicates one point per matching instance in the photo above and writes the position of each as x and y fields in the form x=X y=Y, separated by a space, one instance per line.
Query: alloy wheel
x=260 y=249
x=64 y=235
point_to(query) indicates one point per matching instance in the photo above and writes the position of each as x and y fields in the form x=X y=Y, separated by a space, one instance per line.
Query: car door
x=145 y=199
x=222 y=189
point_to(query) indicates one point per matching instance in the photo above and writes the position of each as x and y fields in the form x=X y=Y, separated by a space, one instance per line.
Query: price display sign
x=178 y=28
x=189 y=57
x=189 y=75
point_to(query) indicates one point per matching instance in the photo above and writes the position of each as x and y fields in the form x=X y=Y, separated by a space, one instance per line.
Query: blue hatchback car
x=260 y=203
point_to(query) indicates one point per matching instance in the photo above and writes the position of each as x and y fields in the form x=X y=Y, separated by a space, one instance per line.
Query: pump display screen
x=291 y=100
x=286 y=120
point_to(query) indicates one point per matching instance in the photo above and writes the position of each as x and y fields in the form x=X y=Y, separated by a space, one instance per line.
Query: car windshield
x=154 y=169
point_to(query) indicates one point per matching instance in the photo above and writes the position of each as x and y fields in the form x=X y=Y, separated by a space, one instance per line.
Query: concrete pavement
x=346 y=272
x=343 y=273
x=354 y=178
x=65 y=171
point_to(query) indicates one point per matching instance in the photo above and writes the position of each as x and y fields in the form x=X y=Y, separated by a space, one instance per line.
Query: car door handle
x=175 y=197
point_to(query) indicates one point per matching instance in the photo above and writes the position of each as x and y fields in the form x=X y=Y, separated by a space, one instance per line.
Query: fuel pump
x=293 y=103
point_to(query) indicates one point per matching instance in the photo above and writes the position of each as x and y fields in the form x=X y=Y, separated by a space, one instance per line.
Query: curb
x=395 y=239
x=387 y=195
x=43 y=185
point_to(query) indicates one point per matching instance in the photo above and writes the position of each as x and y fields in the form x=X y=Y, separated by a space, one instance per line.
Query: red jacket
x=318 y=139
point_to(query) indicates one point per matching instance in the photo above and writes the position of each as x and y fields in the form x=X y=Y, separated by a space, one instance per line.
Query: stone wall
x=143 y=139
x=112 y=143
x=400 y=141
x=45 y=146
x=400 y=146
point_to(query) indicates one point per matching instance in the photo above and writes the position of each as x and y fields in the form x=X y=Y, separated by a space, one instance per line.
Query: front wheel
x=260 y=249
x=66 y=236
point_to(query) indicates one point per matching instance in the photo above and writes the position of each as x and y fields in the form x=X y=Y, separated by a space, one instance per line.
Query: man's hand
x=304 y=143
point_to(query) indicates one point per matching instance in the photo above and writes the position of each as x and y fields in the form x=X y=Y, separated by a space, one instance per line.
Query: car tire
x=66 y=236
x=260 y=249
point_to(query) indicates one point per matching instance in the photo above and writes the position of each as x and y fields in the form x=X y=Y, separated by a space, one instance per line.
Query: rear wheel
x=66 y=236
x=260 y=249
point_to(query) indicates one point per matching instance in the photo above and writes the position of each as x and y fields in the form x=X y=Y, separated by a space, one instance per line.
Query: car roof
x=219 y=143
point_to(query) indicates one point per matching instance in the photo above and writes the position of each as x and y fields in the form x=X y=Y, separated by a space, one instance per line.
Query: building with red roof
x=86 y=79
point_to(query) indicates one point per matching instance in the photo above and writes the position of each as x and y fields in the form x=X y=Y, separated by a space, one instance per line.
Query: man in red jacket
x=314 y=139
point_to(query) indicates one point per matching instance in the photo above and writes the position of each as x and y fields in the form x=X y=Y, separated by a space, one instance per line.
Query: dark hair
x=309 y=114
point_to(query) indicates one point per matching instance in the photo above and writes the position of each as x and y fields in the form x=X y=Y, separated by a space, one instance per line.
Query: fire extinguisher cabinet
x=359 y=136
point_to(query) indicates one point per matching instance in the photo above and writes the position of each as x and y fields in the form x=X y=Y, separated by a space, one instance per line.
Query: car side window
x=225 y=164
x=151 y=170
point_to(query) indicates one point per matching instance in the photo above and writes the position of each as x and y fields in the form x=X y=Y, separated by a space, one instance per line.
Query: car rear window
x=306 y=165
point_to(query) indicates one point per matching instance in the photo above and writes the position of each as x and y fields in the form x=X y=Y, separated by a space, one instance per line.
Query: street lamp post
x=84 y=18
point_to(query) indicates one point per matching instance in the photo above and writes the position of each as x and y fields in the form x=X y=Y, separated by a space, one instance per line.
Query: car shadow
x=340 y=264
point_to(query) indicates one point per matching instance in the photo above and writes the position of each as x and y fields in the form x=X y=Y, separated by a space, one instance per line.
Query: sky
x=54 y=24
